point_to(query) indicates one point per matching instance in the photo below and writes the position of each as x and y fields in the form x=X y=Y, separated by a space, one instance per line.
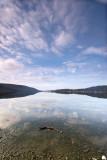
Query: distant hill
x=98 y=88
x=13 y=90
x=97 y=91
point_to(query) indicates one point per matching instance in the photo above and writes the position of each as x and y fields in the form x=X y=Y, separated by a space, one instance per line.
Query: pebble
x=94 y=159
x=87 y=150
x=104 y=157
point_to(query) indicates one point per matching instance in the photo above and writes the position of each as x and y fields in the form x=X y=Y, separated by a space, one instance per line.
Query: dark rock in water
x=13 y=90
x=50 y=128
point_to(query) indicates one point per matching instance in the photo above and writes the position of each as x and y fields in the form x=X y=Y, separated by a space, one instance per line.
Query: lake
x=81 y=118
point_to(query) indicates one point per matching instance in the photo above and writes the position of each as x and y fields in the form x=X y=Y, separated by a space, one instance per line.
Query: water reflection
x=82 y=119
x=78 y=109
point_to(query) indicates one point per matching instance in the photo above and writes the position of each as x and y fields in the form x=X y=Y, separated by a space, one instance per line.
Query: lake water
x=83 y=120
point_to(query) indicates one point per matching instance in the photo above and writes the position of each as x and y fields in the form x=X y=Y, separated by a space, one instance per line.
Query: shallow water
x=82 y=119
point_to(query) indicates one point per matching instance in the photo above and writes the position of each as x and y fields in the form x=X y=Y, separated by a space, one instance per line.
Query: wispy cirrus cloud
x=94 y=50
x=35 y=33
x=79 y=46
x=31 y=30
x=63 y=39
x=39 y=74
x=69 y=24
x=56 y=51
x=70 y=63
x=19 y=30
x=72 y=66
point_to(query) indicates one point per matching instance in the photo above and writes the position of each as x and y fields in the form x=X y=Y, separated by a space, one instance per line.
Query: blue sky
x=51 y=44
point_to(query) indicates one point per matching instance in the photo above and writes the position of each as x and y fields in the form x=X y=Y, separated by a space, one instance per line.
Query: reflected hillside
x=97 y=91
x=13 y=91
x=98 y=95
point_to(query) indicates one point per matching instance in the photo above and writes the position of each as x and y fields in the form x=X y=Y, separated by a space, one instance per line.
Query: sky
x=53 y=44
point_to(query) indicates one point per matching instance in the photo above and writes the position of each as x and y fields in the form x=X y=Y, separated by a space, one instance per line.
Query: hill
x=97 y=91
x=13 y=90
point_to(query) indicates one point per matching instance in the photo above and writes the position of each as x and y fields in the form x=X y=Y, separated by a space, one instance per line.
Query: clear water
x=82 y=119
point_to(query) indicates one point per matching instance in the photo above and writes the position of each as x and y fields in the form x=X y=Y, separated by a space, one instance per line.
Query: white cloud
x=48 y=71
x=56 y=51
x=30 y=29
x=8 y=118
x=23 y=57
x=18 y=55
x=64 y=39
x=7 y=49
x=76 y=22
x=10 y=65
x=16 y=28
x=72 y=67
x=72 y=64
x=32 y=37
x=94 y=50
x=79 y=46
x=70 y=21
x=38 y=55
x=60 y=9
x=37 y=74
x=9 y=23
x=73 y=70
x=44 y=78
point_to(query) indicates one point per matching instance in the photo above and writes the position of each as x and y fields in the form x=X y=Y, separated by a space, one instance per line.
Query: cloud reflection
x=71 y=108
x=8 y=118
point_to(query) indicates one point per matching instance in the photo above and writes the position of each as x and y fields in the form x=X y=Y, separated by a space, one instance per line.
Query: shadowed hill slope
x=13 y=90
x=97 y=91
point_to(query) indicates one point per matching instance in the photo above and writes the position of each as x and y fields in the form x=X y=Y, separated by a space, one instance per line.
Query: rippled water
x=82 y=119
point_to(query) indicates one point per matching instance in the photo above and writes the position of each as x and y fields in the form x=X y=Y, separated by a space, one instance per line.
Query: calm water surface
x=82 y=119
